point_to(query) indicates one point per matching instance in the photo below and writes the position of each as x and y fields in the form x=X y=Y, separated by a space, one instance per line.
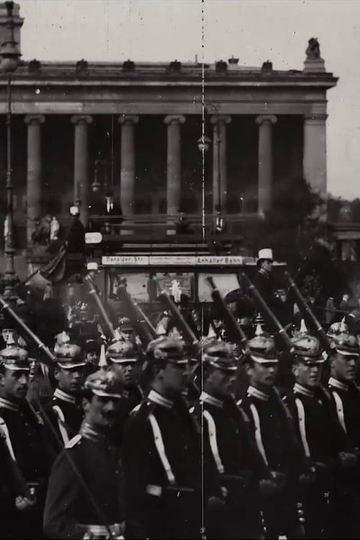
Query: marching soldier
x=122 y=357
x=84 y=498
x=325 y=445
x=275 y=440
x=231 y=448
x=161 y=453
x=25 y=465
x=346 y=405
x=64 y=411
x=345 y=394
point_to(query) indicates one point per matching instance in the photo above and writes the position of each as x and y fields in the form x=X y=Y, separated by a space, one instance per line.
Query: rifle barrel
x=230 y=322
x=5 y=306
x=307 y=311
x=93 y=292
x=266 y=311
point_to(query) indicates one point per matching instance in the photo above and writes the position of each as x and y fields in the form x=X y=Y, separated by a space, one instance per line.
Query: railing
x=149 y=226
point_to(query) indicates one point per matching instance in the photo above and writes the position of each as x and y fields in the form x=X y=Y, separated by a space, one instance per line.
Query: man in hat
x=23 y=450
x=325 y=444
x=161 y=452
x=85 y=487
x=231 y=448
x=263 y=278
x=264 y=282
x=64 y=410
x=122 y=356
x=275 y=439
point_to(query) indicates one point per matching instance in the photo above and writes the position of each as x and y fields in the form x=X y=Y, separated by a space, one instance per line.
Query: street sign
x=172 y=260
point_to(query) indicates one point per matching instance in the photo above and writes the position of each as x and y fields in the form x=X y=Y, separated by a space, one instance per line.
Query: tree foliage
x=296 y=230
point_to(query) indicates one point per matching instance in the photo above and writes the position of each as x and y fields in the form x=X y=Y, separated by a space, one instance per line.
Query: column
x=219 y=162
x=314 y=159
x=265 y=173
x=81 y=165
x=173 y=186
x=34 y=172
x=127 y=175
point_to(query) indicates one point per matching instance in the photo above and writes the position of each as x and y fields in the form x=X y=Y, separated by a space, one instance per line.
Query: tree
x=296 y=231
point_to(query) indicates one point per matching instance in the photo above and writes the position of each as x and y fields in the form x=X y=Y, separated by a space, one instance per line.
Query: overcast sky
x=252 y=30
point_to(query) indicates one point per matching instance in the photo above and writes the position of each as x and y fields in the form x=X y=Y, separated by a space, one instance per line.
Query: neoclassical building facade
x=132 y=129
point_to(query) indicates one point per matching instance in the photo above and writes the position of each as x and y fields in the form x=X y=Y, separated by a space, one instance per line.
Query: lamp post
x=10 y=57
x=204 y=145
x=217 y=205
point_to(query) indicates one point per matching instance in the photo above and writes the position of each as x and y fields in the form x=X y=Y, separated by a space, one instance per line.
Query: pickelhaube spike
x=160 y=329
x=303 y=327
x=259 y=321
x=102 y=359
x=343 y=326
x=211 y=333
x=117 y=335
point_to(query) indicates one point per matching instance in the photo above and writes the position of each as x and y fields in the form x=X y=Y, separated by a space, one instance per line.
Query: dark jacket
x=95 y=499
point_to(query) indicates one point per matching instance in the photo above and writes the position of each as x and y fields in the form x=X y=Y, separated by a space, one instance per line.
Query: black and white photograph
x=179 y=269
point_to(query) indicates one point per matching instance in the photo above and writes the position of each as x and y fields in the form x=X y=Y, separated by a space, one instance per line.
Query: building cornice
x=66 y=74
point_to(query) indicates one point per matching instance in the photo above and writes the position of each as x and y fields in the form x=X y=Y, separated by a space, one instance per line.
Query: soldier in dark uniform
x=325 y=444
x=21 y=431
x=346 y=405
x=122 y=357
x=85 y=486
x=232 y=448
x=345 y=394
x=275 y=439
x=64 y=411
x=161 y=453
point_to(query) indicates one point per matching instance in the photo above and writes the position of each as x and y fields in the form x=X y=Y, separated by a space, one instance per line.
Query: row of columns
x=314 y=161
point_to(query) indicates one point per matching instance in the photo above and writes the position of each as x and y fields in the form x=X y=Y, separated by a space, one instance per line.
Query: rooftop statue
x=313 y=49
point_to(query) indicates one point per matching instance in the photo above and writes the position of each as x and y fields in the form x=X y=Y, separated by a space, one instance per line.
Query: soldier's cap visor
x=310 y=359
x=71 y=365
x=171 y=357
x=104 y=393
x=219 y=363
x=122 y=360
x=177 y=360
x=16 y=366
x=347 y=352
x=263 y=360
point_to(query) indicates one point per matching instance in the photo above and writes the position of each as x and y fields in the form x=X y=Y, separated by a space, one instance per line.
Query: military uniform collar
x=89 y=432
x=63 y=396
x=207 y=398
x=157 y=398
x=7 y=404
x=300 y=389
x=335 y=383
x=254 y=392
